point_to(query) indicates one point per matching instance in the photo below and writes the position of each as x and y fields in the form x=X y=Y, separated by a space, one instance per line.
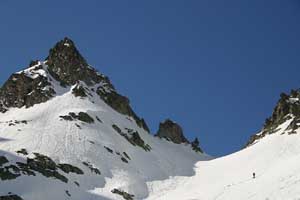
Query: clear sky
x=216 y=67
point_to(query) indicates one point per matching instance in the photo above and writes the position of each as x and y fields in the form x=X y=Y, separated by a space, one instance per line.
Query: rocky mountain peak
x=69 y=66
x=65 y=52
x=287 y=108
x=171 y=131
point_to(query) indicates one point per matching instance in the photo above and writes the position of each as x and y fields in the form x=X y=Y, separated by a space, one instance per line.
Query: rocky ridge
x=64 y=67
x=287 y=108
x=64 y=127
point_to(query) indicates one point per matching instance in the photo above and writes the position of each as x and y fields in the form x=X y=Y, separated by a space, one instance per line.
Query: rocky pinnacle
x=171 y=131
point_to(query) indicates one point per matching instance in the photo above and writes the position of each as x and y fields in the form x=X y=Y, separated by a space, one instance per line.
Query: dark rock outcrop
x=133 y=137
x=174 y=133
x=3 y=160
x=125 y=195
x=67 y=168
x=11 y=197
x=79 y=91
x=39 y=164
x=22 y=151
x=81 y=116
x=171 y=131
x=69 y=66
x=195 y=145
x=93 y=169
x=288 y=107
x=122 y=105
x=21 y=90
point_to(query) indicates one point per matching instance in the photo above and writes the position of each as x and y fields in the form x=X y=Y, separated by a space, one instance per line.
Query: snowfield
x=90 y=159
x=274 y=159
x=40 y=129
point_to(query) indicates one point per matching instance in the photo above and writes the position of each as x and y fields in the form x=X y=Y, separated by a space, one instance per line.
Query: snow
x=48 y=134
x=168 y=172
x=293 y=100
x=274 y=159
x=34 y=72
x=66 y=44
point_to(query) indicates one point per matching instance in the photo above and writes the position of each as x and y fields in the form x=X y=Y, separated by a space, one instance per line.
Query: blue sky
x=215 y=67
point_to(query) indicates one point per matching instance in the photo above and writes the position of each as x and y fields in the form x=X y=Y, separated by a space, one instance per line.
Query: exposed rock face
x=122 y=105
x=133 y=137
x=68 y=67
x=287 y=104
x=171 y=131
x=195 y=145
x=125 y=195
x=21 y=90
x=79 y=91
x=288 y=107
x=81 y=116
x=39 y=164
x=10 y=197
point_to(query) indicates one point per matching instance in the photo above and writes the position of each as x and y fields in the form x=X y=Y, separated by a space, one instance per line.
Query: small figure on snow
x=254 y=175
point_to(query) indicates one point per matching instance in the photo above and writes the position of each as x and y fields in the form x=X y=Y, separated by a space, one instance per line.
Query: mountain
x=66 y=133
x=268 y=168
x=287 y=111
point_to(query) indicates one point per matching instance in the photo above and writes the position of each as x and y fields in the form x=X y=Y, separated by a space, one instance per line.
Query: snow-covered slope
x=275 y=160
x=60 y=140
x=273 y=155
x=66 y=133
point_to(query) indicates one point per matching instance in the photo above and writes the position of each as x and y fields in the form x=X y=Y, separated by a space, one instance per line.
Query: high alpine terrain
x=66 y=133
x=268 y=168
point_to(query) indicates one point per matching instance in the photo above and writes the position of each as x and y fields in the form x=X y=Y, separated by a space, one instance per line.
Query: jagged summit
x=287 y=109
x=63 y=68
x=69 y=65
x=65 y=52
x=67 y=48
